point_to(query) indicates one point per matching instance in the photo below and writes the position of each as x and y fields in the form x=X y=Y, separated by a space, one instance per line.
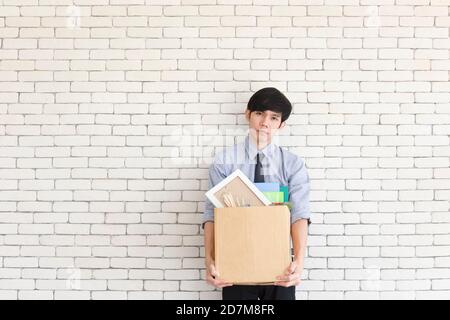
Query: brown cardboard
x=251 y=244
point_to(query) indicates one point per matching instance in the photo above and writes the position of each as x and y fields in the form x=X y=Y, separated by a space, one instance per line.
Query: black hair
x=270 y=99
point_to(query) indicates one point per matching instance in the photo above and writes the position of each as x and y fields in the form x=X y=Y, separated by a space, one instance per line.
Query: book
x=268 y=186
x=274 y=196
x=285 y=190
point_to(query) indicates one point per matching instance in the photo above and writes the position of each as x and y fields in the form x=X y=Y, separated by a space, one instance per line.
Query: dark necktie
x=259 y=177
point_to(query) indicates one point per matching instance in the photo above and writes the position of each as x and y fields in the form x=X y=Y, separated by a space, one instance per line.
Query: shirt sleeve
x=217 y=172
x=299 y=187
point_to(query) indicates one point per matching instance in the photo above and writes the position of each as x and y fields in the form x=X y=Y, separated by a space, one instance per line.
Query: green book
x=274 y=196
x=285 y=190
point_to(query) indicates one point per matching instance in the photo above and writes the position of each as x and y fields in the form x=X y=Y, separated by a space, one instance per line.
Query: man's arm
x=299 y=189
x=293 y=273
x=299 y=196
x=216 y=174
x=299 y=233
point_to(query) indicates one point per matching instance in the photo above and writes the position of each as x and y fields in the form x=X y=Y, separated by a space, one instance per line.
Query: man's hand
x=291 y=276
x=212 y=277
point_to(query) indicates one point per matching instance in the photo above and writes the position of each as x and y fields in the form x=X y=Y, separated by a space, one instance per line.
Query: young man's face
x=263 y=125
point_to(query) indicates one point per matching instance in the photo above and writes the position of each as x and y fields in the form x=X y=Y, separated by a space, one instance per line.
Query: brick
x=441 y=261
x=177 y=252
x=89 y=262
x=127 y=262
x=108 y=295
x=361 y=229
x=35 y=295
x=428 y=251
x=165 y=285
x=324 y=295
x=181 y=274
x=352 y=295
x=414 y=285
x=436 y=273
x=26 y=262
x=110 y=274
x=326 y=251
x=146 y=274
x=17 y=284
x=433 y=295
x=341 y=285
x=125 y=285
x=72 y=295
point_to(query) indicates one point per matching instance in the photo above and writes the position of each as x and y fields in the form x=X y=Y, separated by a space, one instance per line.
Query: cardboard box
x=252 y=244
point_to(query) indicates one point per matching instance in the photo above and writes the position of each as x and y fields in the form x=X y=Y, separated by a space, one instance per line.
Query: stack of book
x=274 y=192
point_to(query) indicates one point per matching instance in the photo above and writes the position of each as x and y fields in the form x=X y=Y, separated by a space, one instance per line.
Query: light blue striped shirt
x=278 y=165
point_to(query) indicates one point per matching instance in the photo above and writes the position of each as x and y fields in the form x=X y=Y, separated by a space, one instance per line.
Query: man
x=261 y=160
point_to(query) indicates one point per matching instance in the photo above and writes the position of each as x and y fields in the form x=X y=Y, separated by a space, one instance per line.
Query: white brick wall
x=110 y=113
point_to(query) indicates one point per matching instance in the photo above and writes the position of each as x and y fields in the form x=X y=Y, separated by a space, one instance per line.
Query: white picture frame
x=214 y=193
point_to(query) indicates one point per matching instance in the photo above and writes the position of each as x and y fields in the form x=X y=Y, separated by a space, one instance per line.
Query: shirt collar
x=252 y=150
